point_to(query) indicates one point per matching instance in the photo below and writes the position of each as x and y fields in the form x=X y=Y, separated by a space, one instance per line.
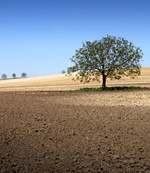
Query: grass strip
x=106 y=89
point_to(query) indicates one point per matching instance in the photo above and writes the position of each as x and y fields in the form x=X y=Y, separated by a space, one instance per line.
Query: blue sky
x=39 y=36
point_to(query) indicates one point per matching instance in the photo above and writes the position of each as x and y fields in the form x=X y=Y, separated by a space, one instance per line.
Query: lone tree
x=4 y=76
x=110 y=57
x=14 y=75
x=23 y=75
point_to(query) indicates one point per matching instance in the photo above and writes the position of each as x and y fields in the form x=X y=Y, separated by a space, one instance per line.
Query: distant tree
x=4 y=76
x=110 y=57
x=63 y=71
x=14 y=75
x=23 y=75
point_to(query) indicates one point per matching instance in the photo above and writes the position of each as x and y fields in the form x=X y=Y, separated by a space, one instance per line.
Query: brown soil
x=44 y=132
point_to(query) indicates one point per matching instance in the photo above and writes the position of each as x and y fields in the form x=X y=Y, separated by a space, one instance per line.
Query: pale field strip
x=109 y=98
x=62 y=82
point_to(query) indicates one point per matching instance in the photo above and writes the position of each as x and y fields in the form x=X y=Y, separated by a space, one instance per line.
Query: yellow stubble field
x=62 y=82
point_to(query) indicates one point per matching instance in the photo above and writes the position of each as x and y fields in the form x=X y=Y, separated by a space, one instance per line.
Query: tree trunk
x=104 y=80
x=103 y=74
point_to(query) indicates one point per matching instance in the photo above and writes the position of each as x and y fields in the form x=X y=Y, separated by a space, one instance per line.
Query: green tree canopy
x=14 y=75
x=110 y=57
x=23 y=75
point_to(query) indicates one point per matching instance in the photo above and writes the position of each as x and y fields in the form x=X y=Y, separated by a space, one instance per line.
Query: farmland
x=62 y=82
x=45 y=130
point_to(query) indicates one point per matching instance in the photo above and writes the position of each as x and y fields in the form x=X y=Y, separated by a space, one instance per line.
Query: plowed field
x=44 y=132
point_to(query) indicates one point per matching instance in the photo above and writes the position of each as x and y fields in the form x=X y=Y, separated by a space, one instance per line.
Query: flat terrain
x=44 y=132
x=63 y=82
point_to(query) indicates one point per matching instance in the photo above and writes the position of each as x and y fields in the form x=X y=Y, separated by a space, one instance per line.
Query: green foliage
x=23 y=75
x=105 y=89
x=14 y=75
x=110 y=57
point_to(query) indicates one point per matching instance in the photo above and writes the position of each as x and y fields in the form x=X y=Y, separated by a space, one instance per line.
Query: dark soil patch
x=40 y=135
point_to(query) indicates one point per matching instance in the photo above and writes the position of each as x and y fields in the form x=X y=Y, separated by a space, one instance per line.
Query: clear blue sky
x=39 y=36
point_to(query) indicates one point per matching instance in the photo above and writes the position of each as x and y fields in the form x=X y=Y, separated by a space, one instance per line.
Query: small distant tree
x=63 y=71
x=23 y=75
x=4 y=76
x=110 y=57
x=14 y=75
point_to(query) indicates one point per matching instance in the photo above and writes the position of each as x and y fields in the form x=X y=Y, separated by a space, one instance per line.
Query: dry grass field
x=62 y=82
x=42 y=131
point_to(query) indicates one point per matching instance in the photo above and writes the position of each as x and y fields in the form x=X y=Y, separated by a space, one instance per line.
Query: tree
x=4 y=76
x=63 y=71
x=23 y=75
x=14 y=75
x=110 y=57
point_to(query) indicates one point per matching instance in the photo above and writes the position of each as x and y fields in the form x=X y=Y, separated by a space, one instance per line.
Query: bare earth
x=43 y=132
x=46 y=131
